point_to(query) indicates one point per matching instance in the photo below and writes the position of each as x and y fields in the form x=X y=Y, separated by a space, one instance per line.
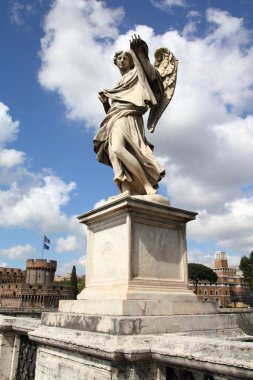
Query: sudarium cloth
x=131 y=98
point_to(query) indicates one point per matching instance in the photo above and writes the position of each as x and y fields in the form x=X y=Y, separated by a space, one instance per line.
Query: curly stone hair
x=131 y=62
x=161 y=50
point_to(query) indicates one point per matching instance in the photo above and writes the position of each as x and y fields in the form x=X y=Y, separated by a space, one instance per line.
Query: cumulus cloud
x=205 y=136
x=39 y=207
x=11 y=157
x=31 y=200
x=8 y=133
x=18 y=252
x=71 y=57
x=68 y=244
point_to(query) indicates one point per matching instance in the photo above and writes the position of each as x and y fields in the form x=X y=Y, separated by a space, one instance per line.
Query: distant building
x=231 y=289
x=68 y=276
x=33 y=289
x=58 y=278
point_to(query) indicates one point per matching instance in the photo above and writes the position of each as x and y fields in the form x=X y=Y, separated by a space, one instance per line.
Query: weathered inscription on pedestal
x=156 y=252
x=109 y=258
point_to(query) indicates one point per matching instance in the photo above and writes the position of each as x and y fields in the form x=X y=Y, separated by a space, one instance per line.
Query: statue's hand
x=104 y=100
x=138 y=45
x=102 y=97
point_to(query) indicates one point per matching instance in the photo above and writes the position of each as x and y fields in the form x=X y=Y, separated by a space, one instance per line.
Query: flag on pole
x=45 y=246
x=46 y=243
x=46 y=240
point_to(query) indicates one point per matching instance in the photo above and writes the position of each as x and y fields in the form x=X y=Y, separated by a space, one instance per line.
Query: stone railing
x=17 y=351
x=105 y=348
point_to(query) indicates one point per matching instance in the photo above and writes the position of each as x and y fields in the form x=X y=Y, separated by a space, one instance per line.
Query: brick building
x=230 y=289
x=33 y=289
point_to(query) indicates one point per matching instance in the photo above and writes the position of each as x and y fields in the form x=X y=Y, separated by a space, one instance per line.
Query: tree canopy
x=199 y=272
x=80 y=284
x=246 y=266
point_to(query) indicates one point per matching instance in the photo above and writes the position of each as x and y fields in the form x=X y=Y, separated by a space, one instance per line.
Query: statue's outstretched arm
x=140 y=49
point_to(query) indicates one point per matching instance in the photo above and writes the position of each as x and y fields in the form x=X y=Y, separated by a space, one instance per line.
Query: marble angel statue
x=120 y=141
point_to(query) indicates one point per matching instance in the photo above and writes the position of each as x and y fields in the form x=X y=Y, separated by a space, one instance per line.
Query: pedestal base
x=172 y=306
x=141 y=325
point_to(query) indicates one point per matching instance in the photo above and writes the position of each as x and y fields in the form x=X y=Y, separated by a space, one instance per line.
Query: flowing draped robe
x=131 y=98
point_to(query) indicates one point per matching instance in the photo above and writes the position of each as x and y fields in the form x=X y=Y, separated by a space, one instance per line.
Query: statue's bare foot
x=153 y=191
x=150 y=190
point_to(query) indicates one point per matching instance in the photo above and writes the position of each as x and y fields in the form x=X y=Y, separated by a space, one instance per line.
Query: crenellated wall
x=12 y=275
x=40 y=271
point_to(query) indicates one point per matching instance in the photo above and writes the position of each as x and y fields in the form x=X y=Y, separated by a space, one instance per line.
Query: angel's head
x=124 y=61
x=159 y=55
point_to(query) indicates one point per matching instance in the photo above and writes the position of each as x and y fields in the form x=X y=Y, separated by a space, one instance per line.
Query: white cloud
x=234 y=261
x=165 y=4
x=19 y=12
x=11 y=157
x=199 y=257
x=18 y=252
x=77 y=228
x=39 y=207
x=100 y=203
x=68 y=244
x=193 y=20
x=8 y=133
x=231 y=228
x=72 y=60
x=226 y=28
x=80 y=264
x=8 y=128
x=3 y=264
x=28 y=199
x=205 y=136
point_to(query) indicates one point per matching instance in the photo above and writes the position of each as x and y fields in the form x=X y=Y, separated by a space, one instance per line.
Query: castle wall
x=40 y=271
x=12 y=275
x=28 y=296
x=33 y=288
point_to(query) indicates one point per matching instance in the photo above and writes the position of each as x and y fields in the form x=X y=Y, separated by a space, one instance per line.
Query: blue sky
x=57 y=55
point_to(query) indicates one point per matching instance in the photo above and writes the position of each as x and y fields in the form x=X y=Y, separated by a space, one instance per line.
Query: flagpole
x=42 y=250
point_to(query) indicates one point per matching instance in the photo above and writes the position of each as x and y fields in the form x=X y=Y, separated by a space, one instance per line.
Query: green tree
x=246 y=266
x=80 y=284
x=73 y=281
x=199 y=272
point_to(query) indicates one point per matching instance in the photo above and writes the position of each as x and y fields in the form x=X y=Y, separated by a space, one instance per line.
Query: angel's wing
x=166 y=64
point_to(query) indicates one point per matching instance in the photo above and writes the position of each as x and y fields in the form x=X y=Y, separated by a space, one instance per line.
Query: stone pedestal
x=136 y=261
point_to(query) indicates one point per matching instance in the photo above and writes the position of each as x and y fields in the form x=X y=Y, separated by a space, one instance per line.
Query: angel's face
x=123 y=62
